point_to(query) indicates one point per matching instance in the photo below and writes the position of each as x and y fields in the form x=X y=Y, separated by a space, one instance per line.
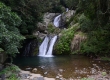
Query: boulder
x=34 y=70
x=41 y=27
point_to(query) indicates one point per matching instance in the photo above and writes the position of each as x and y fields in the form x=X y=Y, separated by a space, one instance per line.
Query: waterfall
x=43 y=47
x=46 y=47
x=57 y=21
x=67 y=9
x=52 y=42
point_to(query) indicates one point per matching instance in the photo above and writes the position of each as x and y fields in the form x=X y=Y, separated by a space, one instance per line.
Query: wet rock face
x=29 y=47
x=2 y=57
x=69 y=14
x=47 y=19
x=41 y=27
x=76 y=42
x=65 y=17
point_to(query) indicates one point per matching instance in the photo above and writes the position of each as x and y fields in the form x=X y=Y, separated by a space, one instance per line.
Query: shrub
x=64 y=42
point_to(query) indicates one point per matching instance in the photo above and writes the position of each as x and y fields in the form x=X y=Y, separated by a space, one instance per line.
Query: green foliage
x=84 y=23
x=105 y=58
x=13 y=77
x=95 y=22
x=96 y=43
x=104 y=73
x=71 y=4
x=9 y=34
x=63 y=45
x=11 y=72
x=68 y=22
x=36 y=50
x=51 y=28
x=29 y=11
x=1 y=50
x=87 y=79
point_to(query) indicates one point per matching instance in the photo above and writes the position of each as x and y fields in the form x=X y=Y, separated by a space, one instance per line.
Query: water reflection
x=74 y=67
x=47 y=63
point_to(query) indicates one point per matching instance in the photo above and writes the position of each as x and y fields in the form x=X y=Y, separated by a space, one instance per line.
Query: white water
x=43 y=47
x=67 y=9
x=52 y=42
x=57 y=21
x=46 y=47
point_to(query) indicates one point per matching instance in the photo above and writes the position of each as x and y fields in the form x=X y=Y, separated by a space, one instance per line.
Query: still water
x=65 y=66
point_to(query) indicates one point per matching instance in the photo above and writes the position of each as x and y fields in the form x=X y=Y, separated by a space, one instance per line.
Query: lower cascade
x=46 y=47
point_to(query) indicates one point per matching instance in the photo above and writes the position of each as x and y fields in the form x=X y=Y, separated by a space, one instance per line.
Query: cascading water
x=52 y=42
x=43 y=47
x=67 y=9
x=57 y=21
x=46 y=47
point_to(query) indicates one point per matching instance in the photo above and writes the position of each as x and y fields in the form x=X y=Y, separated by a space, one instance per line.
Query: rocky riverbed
x=26 y=75
x=31 y=75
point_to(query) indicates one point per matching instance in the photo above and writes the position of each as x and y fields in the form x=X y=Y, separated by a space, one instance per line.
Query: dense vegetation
x=10 y=36
x=21 y=17
x=63 y=44
x=95 y=21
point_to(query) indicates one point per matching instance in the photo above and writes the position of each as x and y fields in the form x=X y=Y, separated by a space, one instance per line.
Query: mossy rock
x=36 y=51
x=50 y=28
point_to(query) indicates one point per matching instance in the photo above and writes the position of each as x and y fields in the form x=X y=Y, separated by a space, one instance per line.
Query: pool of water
x=65 y=66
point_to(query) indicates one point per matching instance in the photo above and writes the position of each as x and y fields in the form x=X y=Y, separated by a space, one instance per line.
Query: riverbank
x=26 y=75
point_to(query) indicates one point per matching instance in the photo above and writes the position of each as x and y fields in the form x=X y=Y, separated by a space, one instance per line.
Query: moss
x=36 y=50
x=51 y=28
x=30 y=36
x=105 y=58
x=64 y=42
x=87 y=79
x=104 y=73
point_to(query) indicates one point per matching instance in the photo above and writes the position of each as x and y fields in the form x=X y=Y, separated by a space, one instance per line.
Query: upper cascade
x=57 y=21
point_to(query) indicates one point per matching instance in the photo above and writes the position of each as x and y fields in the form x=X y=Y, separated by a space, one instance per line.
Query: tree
x=96 y=23
x=71 y=4
x=10 y=36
